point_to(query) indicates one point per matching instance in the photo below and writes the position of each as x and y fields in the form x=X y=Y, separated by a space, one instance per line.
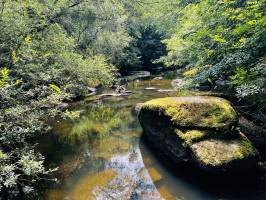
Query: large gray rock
x=201 y=130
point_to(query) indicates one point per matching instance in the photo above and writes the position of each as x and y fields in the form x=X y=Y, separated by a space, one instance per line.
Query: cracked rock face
x=198 y=129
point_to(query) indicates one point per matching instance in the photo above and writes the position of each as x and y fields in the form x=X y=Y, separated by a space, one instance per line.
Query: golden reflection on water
x=84 y=189
x=123 y=169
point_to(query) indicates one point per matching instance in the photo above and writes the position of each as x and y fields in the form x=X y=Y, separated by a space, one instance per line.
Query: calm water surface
x=102 y=156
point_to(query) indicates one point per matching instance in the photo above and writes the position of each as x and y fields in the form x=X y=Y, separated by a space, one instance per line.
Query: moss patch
x=192 y=136
x=197 y=111
x=213 y=152
x=191 y=72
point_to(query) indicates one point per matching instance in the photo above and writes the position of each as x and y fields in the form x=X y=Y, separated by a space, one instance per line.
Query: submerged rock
x=198 y=129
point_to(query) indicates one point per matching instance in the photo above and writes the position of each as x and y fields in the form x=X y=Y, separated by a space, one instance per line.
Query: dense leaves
x=217 y=42
x=50 y=52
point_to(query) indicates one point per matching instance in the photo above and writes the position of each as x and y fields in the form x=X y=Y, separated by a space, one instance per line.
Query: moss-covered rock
x=198 y=129
x=197 y=111
x=256 y=134
x=191 y=136
x=223 y=155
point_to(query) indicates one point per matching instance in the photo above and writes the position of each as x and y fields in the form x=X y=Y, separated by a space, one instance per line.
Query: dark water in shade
x=103 y=156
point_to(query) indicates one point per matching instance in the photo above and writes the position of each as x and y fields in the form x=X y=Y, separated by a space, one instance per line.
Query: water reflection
x=104 y=157
x=97 y=122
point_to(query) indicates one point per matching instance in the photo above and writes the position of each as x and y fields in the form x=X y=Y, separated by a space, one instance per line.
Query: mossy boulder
x=198 y=129
x=222 y=155
x=201 y=112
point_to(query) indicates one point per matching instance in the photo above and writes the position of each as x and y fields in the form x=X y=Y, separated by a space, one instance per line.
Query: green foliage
x=55 y=88
x=145 y=48
x=53 y=51
x=21 y=121
x=220 y=40
x=4 y=77
x=97 y=29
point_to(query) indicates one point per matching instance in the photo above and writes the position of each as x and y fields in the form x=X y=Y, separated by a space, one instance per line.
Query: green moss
x=3 y=155
x=247 y=148
x=213 y=152
x=192 y=136
x=191 y=72
x=197 y=111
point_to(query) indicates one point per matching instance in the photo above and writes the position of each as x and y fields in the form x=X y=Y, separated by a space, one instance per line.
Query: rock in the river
x=114 y=94
x=137 y=108
x=177 y=83
x=195 y=111
x=92 y=91
x=198 y=129
x=150 y=88
x=158 y=78
x=222 y=155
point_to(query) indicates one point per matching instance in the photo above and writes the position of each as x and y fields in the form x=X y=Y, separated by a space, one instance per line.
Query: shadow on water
x=102 y=156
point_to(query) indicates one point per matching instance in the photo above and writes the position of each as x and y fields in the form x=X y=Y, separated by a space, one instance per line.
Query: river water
x=101 y=155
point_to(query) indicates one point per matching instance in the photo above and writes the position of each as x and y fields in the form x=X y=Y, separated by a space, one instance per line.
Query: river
x=101 y=155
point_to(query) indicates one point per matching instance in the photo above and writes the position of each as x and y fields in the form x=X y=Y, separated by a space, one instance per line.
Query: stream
x=101 y=155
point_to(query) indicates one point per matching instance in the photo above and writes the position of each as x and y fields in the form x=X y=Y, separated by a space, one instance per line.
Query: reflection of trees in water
x=99 y=121
x=132 y=181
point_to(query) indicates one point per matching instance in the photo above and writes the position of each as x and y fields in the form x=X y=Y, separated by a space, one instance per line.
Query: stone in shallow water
x=158 y=78
x=200 y=129
x=195 y=111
